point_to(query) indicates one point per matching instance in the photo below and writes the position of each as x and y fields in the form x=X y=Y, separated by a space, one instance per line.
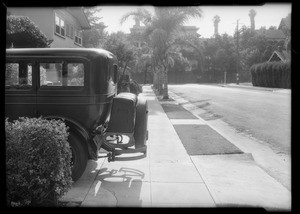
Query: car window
x=75 y=74
x=51 y=74
x=56 y=74
x=18 y=76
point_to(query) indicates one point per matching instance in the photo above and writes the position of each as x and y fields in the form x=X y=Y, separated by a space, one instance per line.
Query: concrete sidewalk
x=169 y=177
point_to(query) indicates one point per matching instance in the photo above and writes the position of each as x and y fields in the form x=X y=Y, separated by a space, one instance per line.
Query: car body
x=74 y=84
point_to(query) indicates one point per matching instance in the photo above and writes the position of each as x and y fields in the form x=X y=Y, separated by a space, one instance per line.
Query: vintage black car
x=77 y=85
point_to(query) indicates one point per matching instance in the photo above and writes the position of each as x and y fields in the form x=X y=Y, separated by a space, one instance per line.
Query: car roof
x=87 y=52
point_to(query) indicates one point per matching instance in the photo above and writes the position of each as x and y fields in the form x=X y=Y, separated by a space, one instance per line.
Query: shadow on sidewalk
x=120 y=188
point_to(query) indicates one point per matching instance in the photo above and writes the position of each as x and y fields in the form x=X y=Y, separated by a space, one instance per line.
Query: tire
x=141 y=123
x=79 y=156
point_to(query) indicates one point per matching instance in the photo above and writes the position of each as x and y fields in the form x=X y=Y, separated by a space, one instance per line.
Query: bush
x=286 y=79
x=277 y=74
x=271 y=74
x=38 y=158
x=253 y=74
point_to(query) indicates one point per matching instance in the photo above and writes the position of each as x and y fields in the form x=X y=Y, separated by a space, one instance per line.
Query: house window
x=75 y=74
x=59 y=26
x=78 y=37
x=69 y=31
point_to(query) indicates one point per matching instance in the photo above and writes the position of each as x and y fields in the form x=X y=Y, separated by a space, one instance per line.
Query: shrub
x=277 y=75
x=253 y=74
x=271 y=74
x=286 y=72
x=259 y=75
x=38 y=158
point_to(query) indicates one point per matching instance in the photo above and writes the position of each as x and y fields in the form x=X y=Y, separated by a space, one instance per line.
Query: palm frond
x=142 y=14
x=171 y=18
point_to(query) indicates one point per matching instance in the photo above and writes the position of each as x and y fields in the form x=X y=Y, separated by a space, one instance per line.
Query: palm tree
x=161 y=30
x=216 y=21
x=252 y=14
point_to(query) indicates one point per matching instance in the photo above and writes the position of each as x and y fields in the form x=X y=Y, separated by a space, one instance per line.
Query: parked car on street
x=79 y=86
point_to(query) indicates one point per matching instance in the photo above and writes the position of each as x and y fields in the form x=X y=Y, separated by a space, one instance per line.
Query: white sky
x=266 y=15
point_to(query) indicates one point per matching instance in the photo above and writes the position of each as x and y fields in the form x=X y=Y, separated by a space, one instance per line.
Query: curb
x=250 y=87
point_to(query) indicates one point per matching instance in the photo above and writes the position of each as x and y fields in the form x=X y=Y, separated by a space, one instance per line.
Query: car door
x=20 y=88
x=61 y=90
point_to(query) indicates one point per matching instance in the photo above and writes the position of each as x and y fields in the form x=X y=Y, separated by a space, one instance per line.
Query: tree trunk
x=160 y=82
x=145 y=77
x=155 y=79
x=125 y=67
x=165 y=83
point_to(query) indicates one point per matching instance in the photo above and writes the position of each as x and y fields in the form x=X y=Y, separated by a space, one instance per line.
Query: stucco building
x=62 y=26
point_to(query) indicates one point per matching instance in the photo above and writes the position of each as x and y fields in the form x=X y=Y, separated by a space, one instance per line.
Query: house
x=62 y=26
x=285 y=25
x=272 y=34
x=280 y=55
x=282 y=33
x=189 y=30
x=283 y=53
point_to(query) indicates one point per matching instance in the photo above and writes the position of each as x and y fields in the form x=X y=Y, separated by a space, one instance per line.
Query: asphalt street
x=262 y=114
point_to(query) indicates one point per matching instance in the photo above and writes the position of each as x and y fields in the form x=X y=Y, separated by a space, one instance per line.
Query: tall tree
x=161 y=28
x=21 y=32
x=192 y=48
x=252 y=14
x=117 y=44
x=253 y=48
x=96 y=35
x=220 y=57
x=216 y=21
x=91 y=14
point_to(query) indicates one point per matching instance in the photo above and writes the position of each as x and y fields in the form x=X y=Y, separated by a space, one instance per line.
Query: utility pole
x=237 y=52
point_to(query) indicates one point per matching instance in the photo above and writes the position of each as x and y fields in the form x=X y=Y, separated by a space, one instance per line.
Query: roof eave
x=79 y=14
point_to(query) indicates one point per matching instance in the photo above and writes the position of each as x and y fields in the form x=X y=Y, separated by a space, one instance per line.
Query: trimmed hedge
x=38 y=158
x=271 y=74
x=22 y=32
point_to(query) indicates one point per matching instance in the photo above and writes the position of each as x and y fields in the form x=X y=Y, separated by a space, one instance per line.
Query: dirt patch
x=203 y=140
x=174 y=111
x=210 y=116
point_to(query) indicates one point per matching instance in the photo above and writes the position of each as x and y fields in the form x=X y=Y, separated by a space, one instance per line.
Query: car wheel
x=79 y=156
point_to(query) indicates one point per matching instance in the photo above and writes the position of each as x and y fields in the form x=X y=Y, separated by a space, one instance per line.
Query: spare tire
x=141 y=122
